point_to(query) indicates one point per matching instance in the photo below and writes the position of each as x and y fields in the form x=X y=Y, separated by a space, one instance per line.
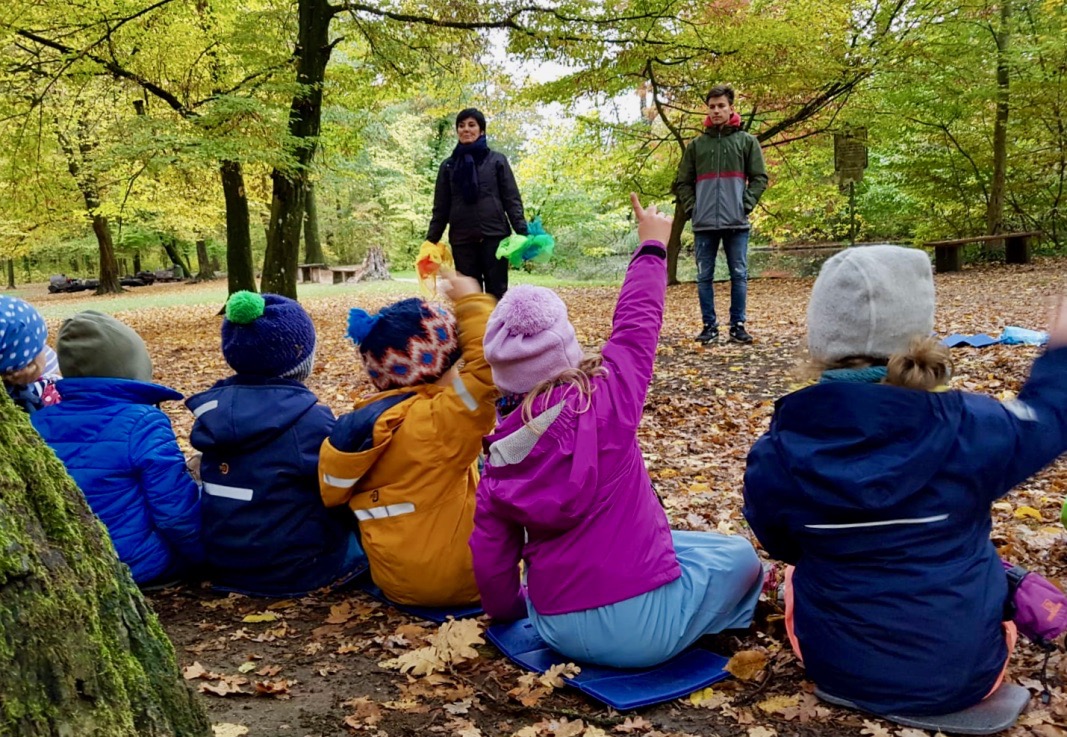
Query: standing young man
x=720 y=180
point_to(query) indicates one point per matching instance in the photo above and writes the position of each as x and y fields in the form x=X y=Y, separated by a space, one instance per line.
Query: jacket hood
x=863 y=447
x=243 y=413
x=734 y=123
x=115 y=390
x=542 y=472
x=352 y=441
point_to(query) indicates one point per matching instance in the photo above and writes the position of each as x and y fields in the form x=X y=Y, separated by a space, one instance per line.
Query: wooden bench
x=947 y=255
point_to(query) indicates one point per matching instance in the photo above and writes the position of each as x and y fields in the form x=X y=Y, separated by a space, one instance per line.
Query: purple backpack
x=1037 y=607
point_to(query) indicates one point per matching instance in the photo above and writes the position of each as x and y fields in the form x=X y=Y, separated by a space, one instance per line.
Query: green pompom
x=244 y=307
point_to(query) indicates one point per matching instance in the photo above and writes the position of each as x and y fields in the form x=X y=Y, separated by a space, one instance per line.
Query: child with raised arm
x=565 y=487
x=406 y=460
x=876 y=485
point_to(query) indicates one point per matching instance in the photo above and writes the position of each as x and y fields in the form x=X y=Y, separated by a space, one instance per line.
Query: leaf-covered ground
x=314 y=667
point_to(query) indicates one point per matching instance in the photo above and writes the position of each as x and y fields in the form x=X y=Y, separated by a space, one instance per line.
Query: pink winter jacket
x=578 y=492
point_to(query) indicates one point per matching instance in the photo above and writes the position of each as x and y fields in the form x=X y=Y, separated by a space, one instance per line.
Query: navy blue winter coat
x=266 y=530
x=880 y=496
x=121 y=451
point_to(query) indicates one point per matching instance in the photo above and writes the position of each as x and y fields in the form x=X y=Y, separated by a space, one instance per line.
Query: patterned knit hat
x=268 y=335
x=405 y=344
x=22 y=334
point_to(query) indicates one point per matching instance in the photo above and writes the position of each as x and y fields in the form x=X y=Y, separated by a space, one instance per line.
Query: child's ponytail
x=927 y=364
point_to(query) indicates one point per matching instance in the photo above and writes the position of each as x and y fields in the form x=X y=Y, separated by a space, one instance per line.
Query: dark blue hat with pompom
x=268 y=335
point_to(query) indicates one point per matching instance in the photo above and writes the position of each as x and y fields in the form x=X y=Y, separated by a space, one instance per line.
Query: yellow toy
x=432 y=256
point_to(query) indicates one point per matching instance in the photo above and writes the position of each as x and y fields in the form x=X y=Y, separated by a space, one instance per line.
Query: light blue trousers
x=718 y=589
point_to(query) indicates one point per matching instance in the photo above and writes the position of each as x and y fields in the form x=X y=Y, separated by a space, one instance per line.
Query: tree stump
x=375 y=266
x=81 y=653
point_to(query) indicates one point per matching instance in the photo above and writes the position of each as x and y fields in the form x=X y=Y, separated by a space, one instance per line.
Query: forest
x=248 y=136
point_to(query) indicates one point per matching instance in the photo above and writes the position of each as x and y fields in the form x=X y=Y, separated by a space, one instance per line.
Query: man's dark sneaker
x=710 y=334
x=738 y=334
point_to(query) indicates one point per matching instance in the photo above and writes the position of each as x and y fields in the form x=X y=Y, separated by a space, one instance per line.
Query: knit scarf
x=467 y=156
x=868 y=375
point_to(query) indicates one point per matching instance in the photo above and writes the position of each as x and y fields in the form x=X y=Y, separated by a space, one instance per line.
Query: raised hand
x=652 y=225
x=455 y=286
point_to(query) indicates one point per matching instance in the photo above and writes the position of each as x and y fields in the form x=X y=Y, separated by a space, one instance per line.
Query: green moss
x=80 y=651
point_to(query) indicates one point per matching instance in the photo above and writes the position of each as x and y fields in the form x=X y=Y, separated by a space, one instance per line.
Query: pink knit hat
x=529 y=339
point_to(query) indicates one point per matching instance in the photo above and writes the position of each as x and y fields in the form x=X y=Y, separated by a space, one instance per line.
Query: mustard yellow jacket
x=413 y=490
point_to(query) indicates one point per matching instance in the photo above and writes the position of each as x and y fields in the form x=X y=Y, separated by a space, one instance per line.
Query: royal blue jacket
x=266 y=530
x=121 y=451
x=880 y=496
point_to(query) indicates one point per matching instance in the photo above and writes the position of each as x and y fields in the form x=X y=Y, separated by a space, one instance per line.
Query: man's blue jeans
x=735 y=244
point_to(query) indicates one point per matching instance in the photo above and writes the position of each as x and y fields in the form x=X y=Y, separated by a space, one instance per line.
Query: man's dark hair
x=721 y=90
x=471 y=112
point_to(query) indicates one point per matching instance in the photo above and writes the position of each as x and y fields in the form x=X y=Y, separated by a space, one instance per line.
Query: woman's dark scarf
x=467 y=157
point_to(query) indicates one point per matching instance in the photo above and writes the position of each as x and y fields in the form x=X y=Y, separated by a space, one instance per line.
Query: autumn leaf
x=278 y=689
x=874 y=729
x=760 y=731
x=247 y=667
x=555 y=676
x=195 y=670
x=340 y=613
x=229 y=730
x=261 y=617
x=227 y=685
x=1024 y=511
x=778 y=703
x=747 y=664
x=366 y=712
x=633 y=724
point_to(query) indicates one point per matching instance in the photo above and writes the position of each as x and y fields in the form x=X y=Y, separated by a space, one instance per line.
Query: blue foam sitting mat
x=993 y=714
x=621 y=689
x=433 y=614
x=975 y=341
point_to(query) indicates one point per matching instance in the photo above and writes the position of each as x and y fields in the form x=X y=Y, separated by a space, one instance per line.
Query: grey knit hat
x=870 y=301
x=94 y=345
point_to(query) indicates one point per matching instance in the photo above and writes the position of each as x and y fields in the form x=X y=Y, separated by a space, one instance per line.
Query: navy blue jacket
x=266 y=530
x=880 y=496
x=123 y=455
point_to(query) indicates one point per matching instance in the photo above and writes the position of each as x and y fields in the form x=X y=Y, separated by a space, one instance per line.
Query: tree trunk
x=109 y=267
x=240 y=275
x=136 y=262
x=995 y=208
x=11 y=273
x=87 y=184
x=674 y=243
x=203 y=263
x=170 y=245
x=312 y=245
x=83 y=655
x=305 y=115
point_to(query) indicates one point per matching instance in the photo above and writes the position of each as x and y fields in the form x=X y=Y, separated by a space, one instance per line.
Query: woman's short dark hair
x=471 y=112
x=719 y=90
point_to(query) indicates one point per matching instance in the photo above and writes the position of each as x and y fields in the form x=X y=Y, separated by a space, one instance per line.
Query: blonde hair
x=580 y=378
x=926 y=365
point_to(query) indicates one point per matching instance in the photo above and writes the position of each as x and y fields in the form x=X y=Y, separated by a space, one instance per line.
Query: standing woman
x=477 y=197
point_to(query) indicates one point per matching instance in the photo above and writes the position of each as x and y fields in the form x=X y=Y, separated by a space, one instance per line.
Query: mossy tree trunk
x=81 y=653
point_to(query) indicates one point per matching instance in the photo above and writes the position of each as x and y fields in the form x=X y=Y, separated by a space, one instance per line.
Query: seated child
x=266 y=531
x=28 y=366
x=876 y=485
x=120 y=448
x=406 y=460
x=566 y=490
